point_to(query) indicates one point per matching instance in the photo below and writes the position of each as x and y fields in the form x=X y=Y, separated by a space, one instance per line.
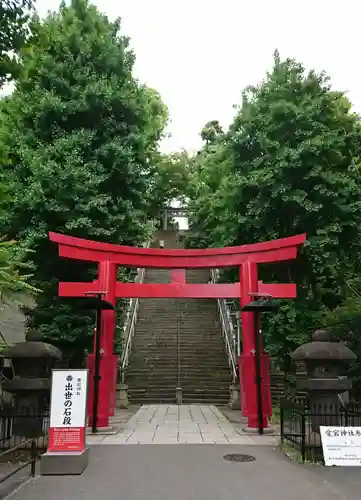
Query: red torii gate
x=246 y=257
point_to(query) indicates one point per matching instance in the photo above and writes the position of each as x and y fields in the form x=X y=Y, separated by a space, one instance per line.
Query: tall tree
x=14 y=30
x=171 y=177
x=13 y=279
x=81 y=134
x=211 y=132
x=295 y=146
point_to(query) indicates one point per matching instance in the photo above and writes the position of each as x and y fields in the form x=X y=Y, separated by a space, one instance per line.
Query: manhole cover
x=239 y=457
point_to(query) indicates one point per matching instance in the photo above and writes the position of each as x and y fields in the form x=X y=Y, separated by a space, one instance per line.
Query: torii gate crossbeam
x=246 y=257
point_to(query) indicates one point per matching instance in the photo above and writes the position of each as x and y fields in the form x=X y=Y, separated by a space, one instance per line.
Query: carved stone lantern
x=32 y=363
x=325 y=382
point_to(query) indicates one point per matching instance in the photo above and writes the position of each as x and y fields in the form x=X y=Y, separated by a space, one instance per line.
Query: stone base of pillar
x=255 y=430
x=178 y=396
x=122 y=401
x=234 y=397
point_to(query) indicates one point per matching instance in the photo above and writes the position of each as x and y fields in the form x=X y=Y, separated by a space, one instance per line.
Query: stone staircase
x=177 y=341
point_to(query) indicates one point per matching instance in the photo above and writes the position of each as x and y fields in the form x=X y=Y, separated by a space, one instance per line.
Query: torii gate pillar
x=247 y=365
x=107 y=278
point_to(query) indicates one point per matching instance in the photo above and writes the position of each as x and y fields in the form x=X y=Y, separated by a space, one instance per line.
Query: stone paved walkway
x=186 y=424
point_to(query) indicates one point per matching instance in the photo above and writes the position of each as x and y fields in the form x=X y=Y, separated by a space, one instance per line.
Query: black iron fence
x=23 y=438
x=19 y=425
x=300 y=423
x=16 y=459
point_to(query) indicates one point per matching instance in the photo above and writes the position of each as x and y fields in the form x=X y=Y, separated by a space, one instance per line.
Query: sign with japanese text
x=68 y=410
x=341 y=446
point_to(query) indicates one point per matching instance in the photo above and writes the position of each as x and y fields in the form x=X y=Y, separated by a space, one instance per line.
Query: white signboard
x=341 y=446
x=68 y=410
x=68 y=398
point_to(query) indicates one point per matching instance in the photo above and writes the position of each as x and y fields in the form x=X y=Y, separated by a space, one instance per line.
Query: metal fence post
x=303 y=436
x=33 y=458
x=281 y=420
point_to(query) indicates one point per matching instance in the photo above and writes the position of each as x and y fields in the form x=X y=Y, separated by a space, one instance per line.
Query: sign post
x=341 y=446
x=67 y=453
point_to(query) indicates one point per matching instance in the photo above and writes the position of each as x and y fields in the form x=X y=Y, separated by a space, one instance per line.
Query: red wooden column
x=178 y=276
x=247 y=361
x=107 y=276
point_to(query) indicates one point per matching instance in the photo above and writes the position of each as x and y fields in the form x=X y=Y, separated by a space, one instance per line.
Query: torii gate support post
x=107 y=277
x=247 y=360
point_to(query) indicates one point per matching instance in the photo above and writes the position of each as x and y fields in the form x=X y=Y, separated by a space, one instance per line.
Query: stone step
x=146 y=358
x=159 y=379
x=155 y=371
x=193 y=385
x=201 y=344
x=186 y=398
x=171 y=396
x=171 y=340
x=209 y=367
x=169 y=382
x=186 y=375
x=185 y=370
x=201 y=351
x=186 y=389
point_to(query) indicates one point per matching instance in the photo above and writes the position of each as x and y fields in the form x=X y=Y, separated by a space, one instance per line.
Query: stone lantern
x=325 y=382
x=32 y=363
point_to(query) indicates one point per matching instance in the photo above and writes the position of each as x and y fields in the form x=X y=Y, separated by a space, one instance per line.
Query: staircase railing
x=129 y=327
x=228 y=331
x=129 y=324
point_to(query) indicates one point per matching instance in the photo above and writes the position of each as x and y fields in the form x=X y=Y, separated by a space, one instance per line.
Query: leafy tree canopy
x=13 y=279
x=288 y=164
x=211 y=132
x=14 y=30
x=171 y=178
x=81 y=134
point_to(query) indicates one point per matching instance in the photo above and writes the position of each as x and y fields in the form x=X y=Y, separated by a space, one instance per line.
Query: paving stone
x=185 y=424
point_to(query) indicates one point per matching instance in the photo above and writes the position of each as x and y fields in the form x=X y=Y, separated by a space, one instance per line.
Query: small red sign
x=66 y=439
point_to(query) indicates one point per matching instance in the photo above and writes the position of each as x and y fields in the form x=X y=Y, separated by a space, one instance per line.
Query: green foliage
x=14 y=30
x=81 y=135
x=171 y=177
x=211 y=132
x=12 y=280
x=288 y=164
x=344 y=323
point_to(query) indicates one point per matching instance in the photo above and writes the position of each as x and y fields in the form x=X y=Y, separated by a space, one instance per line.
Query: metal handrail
x=129 y=326
x=130 y=322
x=227 y=328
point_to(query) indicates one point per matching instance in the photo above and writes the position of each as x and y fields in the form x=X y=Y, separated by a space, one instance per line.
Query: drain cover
x=239 y=457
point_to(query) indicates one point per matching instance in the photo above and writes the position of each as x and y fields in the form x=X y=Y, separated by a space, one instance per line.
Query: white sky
x=200 y=54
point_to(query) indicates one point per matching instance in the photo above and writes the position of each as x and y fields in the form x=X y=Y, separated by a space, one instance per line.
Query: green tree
x=295 y=148
x=13 y=279
x=211 y=132
x=14 y=30
x=171 y=177
x=14 y=270
x=81 y=134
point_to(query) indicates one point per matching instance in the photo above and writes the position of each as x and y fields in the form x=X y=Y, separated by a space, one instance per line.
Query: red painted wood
x=174 y=290
x=265 y=246
x=178 y=276
x=248 y=284
x=107 y=278
x=177 y=262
